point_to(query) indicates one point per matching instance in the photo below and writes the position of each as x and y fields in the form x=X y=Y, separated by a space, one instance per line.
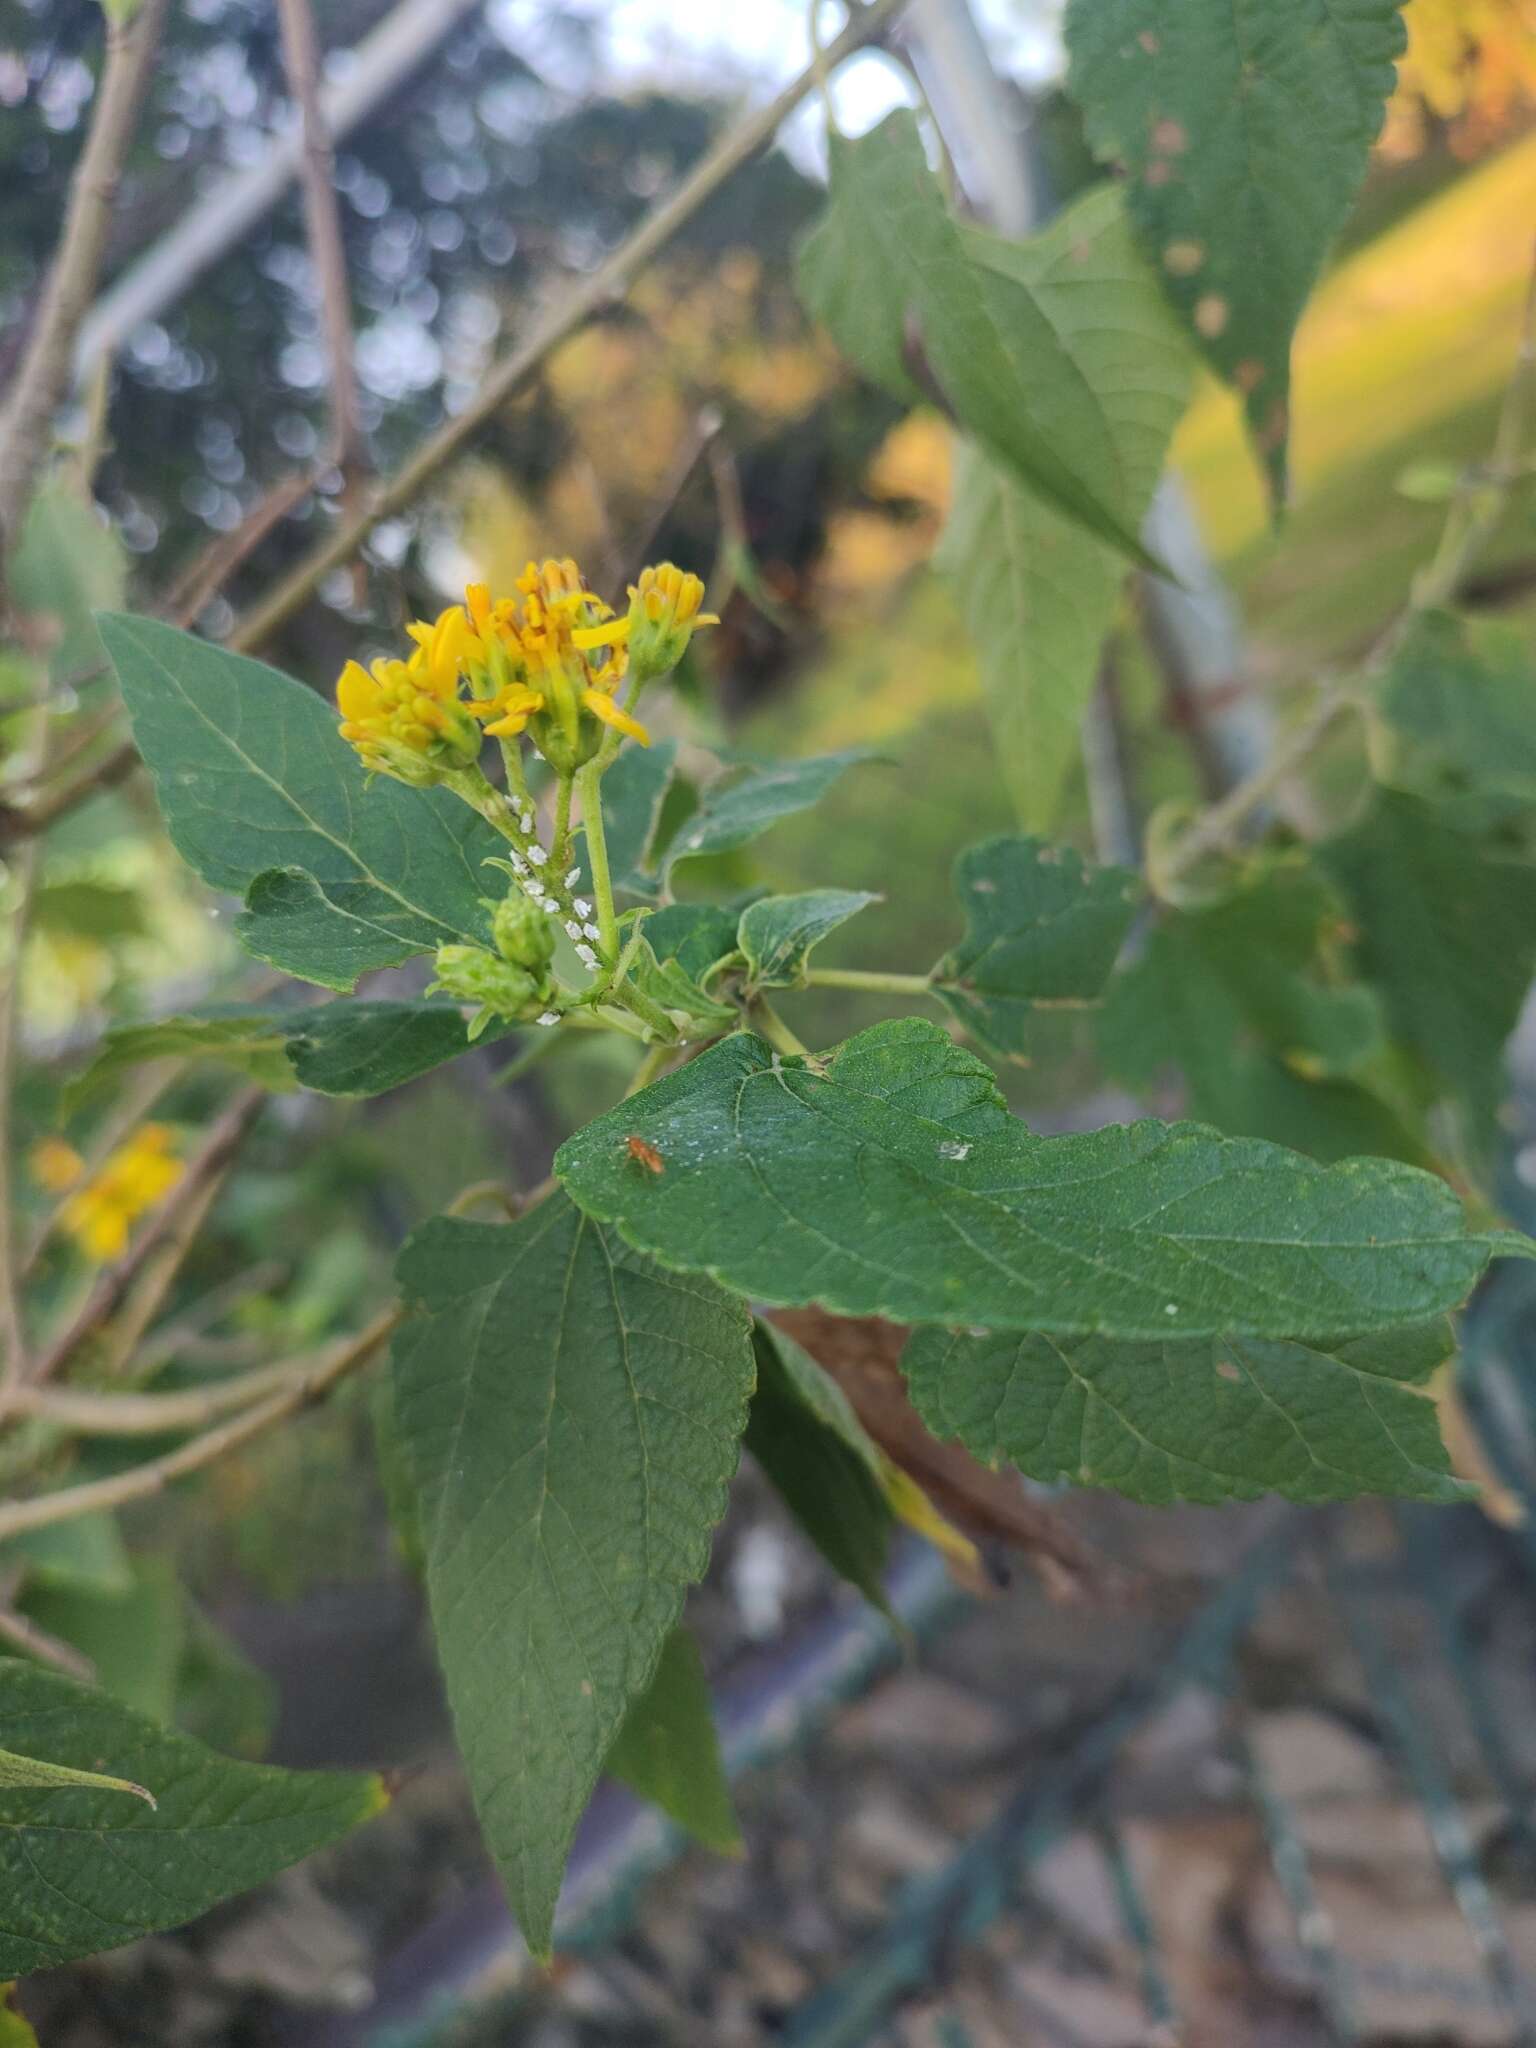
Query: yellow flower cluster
x=100 y=1214
x=551 y=657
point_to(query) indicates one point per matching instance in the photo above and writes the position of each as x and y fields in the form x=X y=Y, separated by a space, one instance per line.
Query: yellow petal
x=357 y=694
x=609 y=634
x=604 y=708
x=509 y=727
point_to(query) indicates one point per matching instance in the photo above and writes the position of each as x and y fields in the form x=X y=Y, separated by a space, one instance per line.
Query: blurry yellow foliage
x=631 y=390
x=1470 y=64
x=101 y=1213
x=869 y=549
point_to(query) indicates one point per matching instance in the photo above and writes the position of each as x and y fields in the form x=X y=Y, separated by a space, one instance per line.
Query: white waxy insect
x=572 y=928
x=581 y=906
x=593 y=931
x=537 y=855
x=550 y=1017
x=586 y=956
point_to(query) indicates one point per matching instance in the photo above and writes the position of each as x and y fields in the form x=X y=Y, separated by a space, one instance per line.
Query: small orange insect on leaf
x=645 y=1155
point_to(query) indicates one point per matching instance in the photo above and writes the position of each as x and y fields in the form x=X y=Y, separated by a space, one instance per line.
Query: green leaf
x=67 y=564
x=344 y=1048
x=820 y=1460
x=1461 y=697
x=739 y=807
x=86 y=909
x=1038 y=593
x=16 y=1771
x=366 y=1048
x=667 y=982
x=667 y=1750
x=262 y=796
x=634 y=790
x=1042 y=930
x=700 y=937
x=1445 y=932
x=134 y=1637
x=1224 y=1419
x=1245 y=131
x=778 y=933
x=84 y=1870
x=85 y=1554
x=886 y=252
x=572 y=1415
x=251 y=1040
x=890 y=1179
x=1250 y=1000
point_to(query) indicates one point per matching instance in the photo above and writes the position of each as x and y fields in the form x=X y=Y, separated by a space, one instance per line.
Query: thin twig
x=43 y=376
x=1474 y=514
x=24 y=1634
x=602 y=288
x=144 y=1300
x=53 y=804
x=13 y=1334
x=211 y=567
x=622 y=565
x=142 y=1482
x=152 y=1414
x=322 y=221
x=207 y=1163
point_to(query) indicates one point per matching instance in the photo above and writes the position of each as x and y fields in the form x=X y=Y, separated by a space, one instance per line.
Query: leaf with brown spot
x=1245 y=130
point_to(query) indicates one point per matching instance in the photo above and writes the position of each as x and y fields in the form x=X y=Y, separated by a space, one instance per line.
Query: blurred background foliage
x=702 y=419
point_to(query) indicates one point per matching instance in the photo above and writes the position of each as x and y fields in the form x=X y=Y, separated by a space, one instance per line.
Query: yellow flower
x=404 y=717
x=100 y=1215
x=552 y=657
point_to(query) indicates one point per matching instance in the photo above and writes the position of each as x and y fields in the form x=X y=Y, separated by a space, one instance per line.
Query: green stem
x=649 y=1013
x=1470 y=521
x=543 y=1045
x=877 y=984
x=560 y=845
x=766 y=1018
x=589 y=782
x=517 y=778
x=649 y=1069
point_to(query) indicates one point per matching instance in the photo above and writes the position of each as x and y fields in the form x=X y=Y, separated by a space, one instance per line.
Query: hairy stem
x=589 y=782
x=560 y=845
x=875 y=982
x=765 y=1018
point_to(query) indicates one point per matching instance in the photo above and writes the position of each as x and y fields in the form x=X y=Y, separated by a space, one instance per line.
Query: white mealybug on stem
x=593 y=931
x=586 y=956
x=549 y=1017
x=581 y=906
x=573 y=877
x=537 y=855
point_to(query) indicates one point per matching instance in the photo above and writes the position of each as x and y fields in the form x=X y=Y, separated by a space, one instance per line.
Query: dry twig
x=43 y=375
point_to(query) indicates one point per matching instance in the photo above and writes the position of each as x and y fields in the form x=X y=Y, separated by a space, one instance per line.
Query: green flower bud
x=664 y=615
x=473 y=974
x=523 y=934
